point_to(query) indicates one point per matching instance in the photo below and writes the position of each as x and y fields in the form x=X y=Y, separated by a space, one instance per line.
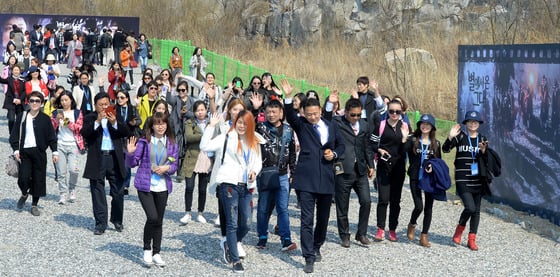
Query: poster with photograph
x=516 y=88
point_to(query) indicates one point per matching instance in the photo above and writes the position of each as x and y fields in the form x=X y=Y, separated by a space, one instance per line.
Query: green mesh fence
x=225 y=69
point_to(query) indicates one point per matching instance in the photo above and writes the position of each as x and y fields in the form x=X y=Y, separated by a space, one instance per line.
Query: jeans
x=236 y=201
x=153 y=204
x=143 y=63
x=67 y=163
x=343 y=187
x=281 y=199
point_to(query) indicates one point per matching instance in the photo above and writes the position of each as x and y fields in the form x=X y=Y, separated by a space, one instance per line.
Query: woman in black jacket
x=421 y=146
x=469 y=146
x=37 y=133
x=15 y=95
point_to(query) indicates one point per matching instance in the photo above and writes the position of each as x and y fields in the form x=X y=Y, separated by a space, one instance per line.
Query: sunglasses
x=147 y=78
x=256 y=83
x=153 y=88
x=355 y=115
x=122 y=97
x=164 y=74
x=181 y=89
x=36 y=101
x=395 y=111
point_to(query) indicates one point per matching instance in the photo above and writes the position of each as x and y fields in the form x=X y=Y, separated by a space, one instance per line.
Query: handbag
x=78 y=52
x=133 y=63
x=12 y=165
x=269 y=177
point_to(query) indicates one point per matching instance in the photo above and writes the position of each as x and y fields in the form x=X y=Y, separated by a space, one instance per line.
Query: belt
x=238 y=184
x=107 y=152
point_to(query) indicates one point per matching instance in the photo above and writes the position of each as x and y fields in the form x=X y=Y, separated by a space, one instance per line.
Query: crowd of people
x=234 y=142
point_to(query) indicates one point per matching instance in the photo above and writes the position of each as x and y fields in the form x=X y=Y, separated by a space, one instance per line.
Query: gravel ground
x=60 y=242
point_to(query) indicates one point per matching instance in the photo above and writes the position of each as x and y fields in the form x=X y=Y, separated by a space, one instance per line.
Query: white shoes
x=62 y=199
x=217 y=221
x=201 y=218
x=157 y=260
x=72 y=196
x=148 y=259
x=185 y=219
x=240 y=251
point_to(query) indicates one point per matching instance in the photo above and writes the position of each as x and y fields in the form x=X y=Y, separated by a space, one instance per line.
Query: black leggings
x=202 y=184
x=153 y=204
x=471 y=201
x=429 y=203
x=389 y=193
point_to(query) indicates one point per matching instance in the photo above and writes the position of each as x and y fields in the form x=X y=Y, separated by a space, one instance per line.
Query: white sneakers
x=201 y=218
x=157 y=260
x=240 y=251
x=150 y=260
x=185 y=219
x=62 y=199
x=72 y=196
x=217 y=221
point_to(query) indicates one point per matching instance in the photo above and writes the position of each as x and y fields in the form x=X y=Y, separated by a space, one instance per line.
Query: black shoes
x=35 y=211
x=261 y=244
x=363 y=240
x=98 y=232
x=345 y=242
x=318 y=257
x=125 y=192
x=21 y=201
x=238 y=268
x=119 y=227
x=308 y=268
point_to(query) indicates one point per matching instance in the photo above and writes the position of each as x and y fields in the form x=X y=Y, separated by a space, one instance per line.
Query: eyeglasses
x=395 y=111
x=355 y=115
x=35 y=101
x=181 y=89
x=160 y=85
x=256 y=83
x=153 y=88
x=122 y=97
x=147 y=78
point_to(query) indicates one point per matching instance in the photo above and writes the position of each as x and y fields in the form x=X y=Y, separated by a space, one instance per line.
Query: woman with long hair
x=116 y=77
x=74 y=52
x=127 y=56
x=68 y=122
x=36 y=83
x=127 y=114
x=156 y=158
x=237 y=174
x=14 y=98
x=421 y=146
x=197 y=64
x=388 y=140
x=144 y=51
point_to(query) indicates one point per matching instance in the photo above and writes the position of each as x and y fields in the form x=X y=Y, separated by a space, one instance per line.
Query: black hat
x=427 y=118
x=472 y=115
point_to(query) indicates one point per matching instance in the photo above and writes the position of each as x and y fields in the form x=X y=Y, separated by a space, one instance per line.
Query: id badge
x=474 y=169
x=245 y=176
x=364 y=115
x=154 y=180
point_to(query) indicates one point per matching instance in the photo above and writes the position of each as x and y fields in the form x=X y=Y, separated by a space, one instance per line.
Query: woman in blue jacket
x=156 y=156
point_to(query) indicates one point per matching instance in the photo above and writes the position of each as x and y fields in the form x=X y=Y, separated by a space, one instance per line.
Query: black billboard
x=516 y=88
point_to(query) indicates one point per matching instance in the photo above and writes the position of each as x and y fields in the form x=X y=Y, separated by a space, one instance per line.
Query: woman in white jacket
x=238 y=152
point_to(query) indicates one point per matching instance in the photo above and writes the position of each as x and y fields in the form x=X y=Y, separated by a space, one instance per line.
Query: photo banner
x=78 y=23
x=516 y=88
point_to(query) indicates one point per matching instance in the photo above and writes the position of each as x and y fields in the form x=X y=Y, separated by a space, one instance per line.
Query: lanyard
x=247 y=156
x=424 y=151
x=473 y=153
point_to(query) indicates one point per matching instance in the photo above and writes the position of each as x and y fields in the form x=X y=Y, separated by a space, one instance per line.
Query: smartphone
x=238 y=84
x=59 y=111
x=110 y=109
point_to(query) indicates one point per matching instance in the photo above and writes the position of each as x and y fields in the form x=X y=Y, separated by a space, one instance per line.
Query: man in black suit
x=36 y=38
x=357 y=163
x=105 y=160
x=321 y=144
x=119 y=39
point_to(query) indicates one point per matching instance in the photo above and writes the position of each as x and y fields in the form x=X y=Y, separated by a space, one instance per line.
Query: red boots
x=472 y=242
x=458 y=234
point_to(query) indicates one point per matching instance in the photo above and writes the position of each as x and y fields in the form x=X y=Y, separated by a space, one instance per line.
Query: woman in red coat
x=116 y=77
x=35 y=83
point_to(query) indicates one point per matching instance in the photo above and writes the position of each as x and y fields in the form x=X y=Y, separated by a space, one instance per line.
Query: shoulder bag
x=12 y=165
x=269 y=177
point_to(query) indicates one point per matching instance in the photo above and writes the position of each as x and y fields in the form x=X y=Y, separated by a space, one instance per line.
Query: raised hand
x=288 y=89
x=210 y=90
x=373 y=85
x=256 y=100
x=215 y=119
x=333 y=97
x=454 y=131
x=132 y=145
x=354 y=93
x=404 y=131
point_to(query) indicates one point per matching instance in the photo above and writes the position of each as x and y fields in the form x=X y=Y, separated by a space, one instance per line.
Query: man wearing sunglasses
x=357 y=164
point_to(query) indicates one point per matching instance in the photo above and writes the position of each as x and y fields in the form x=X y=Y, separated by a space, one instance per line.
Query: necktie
x=316 y=127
